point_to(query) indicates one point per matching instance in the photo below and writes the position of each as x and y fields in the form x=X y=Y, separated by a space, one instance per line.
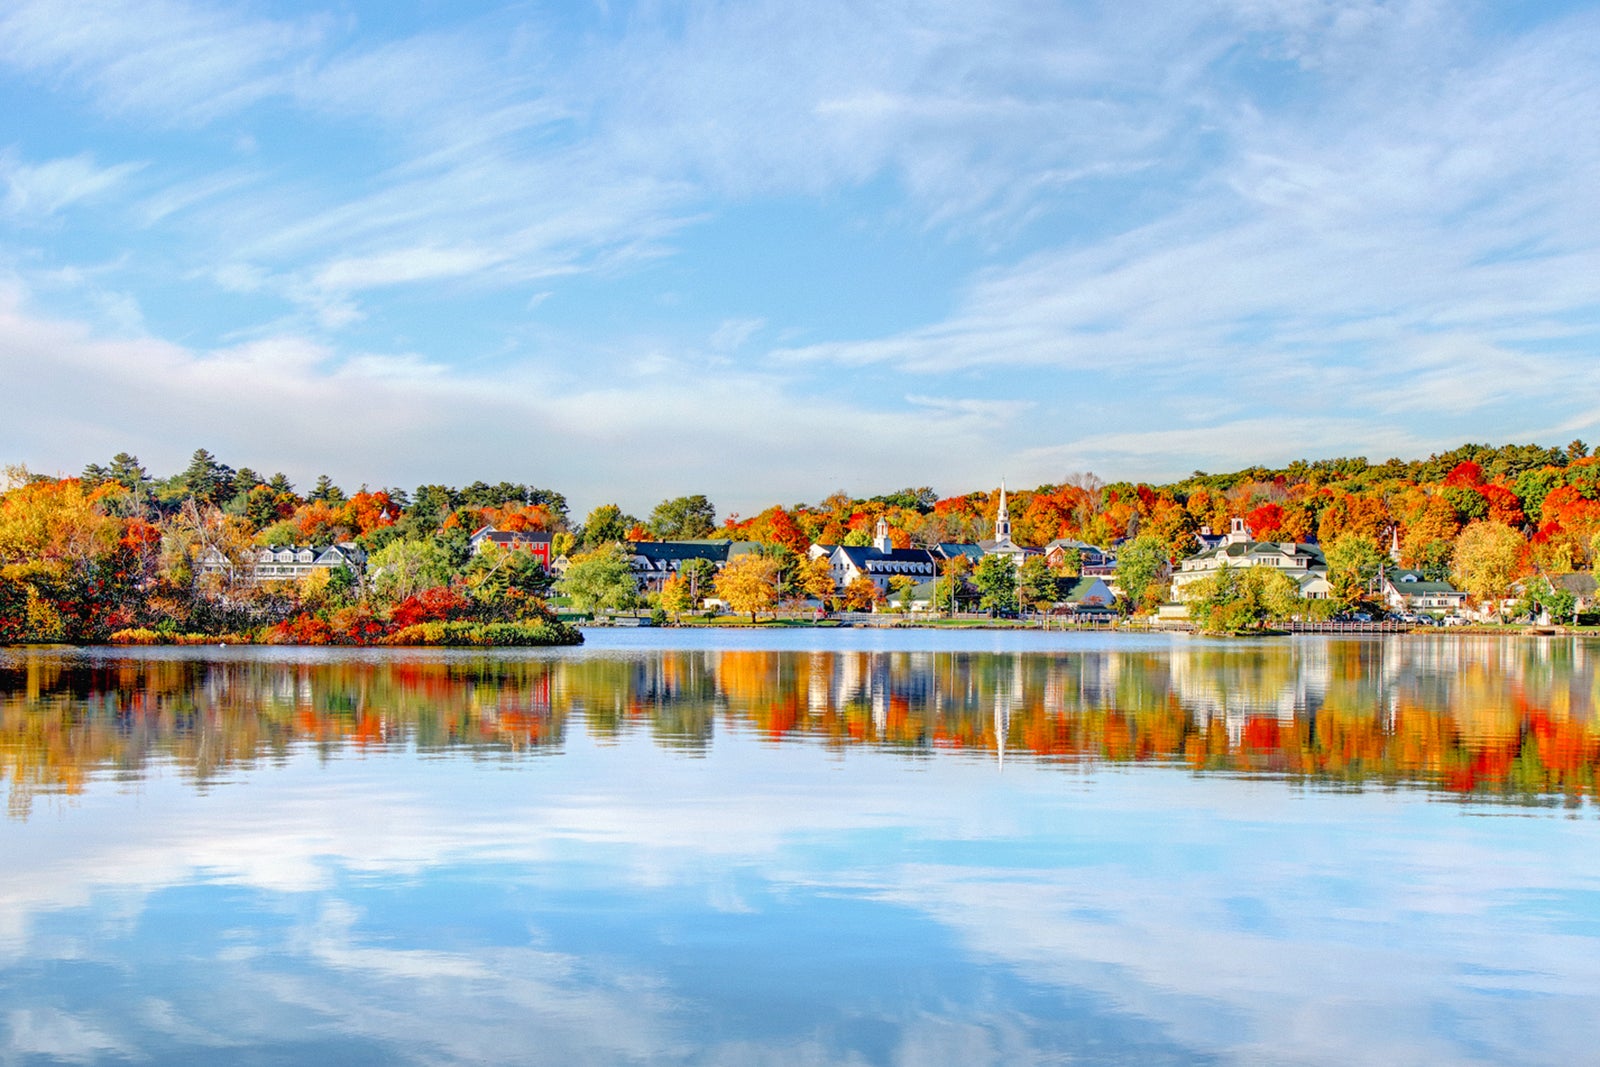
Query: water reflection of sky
x=623 y=901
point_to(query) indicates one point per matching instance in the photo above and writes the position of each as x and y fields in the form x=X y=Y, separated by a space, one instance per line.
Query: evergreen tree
x=326 y=492
x=206 y=480
x=127 y=470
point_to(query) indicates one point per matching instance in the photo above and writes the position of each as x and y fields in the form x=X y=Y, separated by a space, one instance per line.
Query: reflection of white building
x=1235 y=684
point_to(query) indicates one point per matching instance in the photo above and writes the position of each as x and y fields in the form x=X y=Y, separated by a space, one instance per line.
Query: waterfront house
x=881 y=561
x=1304 y=563
x=288 y=563
x=535 y=542
x=1408 y=590
x=1094 y=562
x=1087 y=596
x=653 y=562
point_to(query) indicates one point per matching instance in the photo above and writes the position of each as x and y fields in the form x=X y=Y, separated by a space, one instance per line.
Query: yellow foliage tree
x=676 y=597
x=861 y=594
x=1487 y=559
x=749 y=583
x=814 y=578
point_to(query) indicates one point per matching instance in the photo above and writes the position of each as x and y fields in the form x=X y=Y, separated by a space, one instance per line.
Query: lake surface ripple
x=804 y=847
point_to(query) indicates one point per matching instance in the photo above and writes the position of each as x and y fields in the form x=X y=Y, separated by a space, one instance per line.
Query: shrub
x=485 y=634
x=438 y=604
x=303 y=630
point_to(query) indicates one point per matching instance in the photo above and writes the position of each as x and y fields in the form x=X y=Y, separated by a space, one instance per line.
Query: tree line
x=117 y=548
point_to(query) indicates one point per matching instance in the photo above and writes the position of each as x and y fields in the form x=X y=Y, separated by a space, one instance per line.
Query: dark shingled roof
x=677 y=551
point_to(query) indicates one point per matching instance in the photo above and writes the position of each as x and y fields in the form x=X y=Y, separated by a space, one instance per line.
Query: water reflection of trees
x=1465 y=714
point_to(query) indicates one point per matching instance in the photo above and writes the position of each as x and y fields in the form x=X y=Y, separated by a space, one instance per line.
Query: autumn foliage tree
x=1487 y=559
x=68 y=568
x=749 y=583
x=861 y=594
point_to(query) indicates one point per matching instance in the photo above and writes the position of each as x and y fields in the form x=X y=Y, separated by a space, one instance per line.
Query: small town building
x=1094 y=562
x=1088 y=595
x=881 y=562
x=1580 y=584
x=951 y=549
x=536 y=542
x=1002 y=545
x=287 y=563
x=1304 y=563
x=1408 y=590
x=653 y=562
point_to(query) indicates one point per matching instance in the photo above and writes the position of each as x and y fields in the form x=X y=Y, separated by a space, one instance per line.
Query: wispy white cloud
x=733 y=334
x=397 y=268
x=42 y=189
x=183 y=62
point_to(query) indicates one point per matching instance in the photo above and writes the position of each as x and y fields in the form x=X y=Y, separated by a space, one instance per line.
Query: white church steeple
x=1002 y=520
x=881 y=539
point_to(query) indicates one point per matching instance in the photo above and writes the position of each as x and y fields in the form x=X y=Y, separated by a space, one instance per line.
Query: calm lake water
x=808 y=847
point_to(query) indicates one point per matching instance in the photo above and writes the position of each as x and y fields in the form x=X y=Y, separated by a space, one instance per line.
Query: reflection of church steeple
x=1002 y=727
x=1002 y=520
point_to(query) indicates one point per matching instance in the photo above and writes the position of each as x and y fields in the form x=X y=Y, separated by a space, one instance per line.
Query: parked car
x=1453 y=620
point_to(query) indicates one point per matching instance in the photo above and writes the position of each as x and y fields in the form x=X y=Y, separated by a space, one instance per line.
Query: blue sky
x=763 y=251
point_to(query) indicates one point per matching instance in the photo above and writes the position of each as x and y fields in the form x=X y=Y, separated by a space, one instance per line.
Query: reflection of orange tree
x=62 y=720
x=1558 y=756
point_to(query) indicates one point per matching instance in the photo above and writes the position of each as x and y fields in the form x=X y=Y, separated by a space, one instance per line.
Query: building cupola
x=881 y=540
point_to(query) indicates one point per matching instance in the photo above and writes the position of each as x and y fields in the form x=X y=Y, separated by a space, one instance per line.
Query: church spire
x=881 y=539
x=1002 y=520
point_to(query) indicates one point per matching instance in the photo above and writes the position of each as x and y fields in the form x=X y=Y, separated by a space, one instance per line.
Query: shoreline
x=783 y=625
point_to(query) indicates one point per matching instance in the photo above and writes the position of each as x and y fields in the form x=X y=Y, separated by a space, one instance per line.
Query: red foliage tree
x=440 y=604
x=1464 y=475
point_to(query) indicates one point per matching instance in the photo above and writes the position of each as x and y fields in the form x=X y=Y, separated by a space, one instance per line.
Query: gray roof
x=509 y=537
x=513 y=537
x=1245 y=550
x=1409 y=585
x=677 y=551
x=1082 y=546
x=1579 y=583
x=864 y=556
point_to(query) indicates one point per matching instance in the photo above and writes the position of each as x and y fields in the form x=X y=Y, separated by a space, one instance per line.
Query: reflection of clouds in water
x=500 y=1004
x=1233 y=916
x=1261 y=951
x=60 y=1036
